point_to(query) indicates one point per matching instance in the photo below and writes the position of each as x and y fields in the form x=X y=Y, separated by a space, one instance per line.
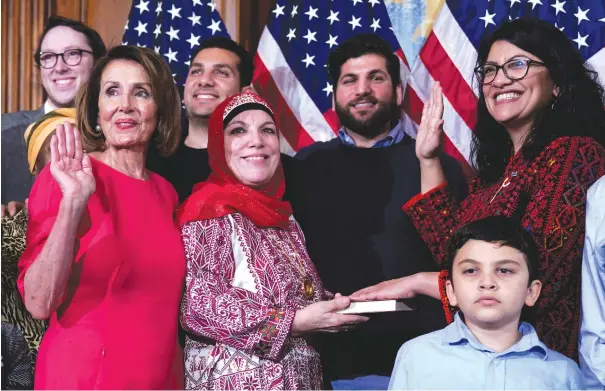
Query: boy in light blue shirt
x=592 y=329
x=493 y=275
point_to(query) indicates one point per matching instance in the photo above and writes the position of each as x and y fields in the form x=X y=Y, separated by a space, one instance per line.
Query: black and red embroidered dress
x=552 y=189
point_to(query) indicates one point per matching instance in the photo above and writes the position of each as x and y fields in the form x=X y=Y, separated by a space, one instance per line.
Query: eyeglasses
x=515 y=69
x=71 y=57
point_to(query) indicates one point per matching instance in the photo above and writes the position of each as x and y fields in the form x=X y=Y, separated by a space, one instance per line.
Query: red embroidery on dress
x=242 y=339
x=447 y=309
x=556 y=183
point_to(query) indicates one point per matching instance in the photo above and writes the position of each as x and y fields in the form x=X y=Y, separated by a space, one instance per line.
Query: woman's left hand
x=324 y=315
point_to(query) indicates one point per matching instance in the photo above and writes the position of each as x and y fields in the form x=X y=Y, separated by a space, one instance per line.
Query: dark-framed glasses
x=515 y=69
x=70 y=57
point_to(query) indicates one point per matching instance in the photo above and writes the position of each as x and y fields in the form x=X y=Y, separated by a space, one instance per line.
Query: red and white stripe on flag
x=448 y=55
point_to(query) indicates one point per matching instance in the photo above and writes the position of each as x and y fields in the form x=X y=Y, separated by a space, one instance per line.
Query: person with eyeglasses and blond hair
x=537 y=146
x=66 y=53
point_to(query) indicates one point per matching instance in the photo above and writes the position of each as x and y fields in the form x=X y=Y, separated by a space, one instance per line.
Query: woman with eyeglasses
x=537 y=146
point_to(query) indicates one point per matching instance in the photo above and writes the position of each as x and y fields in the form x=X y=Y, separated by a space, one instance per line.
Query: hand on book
x=425 y=283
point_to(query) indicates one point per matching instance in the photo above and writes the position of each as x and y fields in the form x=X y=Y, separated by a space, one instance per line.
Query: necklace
x=505 y=183
x=306 y=284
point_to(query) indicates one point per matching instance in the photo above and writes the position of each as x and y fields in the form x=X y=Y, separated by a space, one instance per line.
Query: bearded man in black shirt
x=347 y=195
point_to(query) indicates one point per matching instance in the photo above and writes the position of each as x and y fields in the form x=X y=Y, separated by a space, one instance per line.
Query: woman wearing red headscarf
x=252 y=292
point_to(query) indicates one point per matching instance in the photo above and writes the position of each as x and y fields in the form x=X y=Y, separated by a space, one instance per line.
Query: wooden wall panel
x=26 y=48
x=38 y=20
x=253 y=16
x=71 y=9
x=4 y=32
x=14 y=56
x=109 y=17
x=229 y=11
x=22 y=23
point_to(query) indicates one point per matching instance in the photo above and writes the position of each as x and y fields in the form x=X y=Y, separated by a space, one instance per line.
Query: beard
x=373 y=125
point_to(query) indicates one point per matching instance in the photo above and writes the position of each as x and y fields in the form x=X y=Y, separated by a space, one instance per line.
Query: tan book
x=364 y=307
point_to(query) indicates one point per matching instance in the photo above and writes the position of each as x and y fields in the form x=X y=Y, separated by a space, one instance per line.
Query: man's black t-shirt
x=187 y=167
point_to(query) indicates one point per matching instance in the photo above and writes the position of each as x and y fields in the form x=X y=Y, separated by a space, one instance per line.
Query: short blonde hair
x=167 y=134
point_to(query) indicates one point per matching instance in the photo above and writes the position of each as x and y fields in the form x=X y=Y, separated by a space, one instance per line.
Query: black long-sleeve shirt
x=348 y=202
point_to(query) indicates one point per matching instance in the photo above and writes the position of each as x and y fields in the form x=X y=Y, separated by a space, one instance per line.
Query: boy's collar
x=457 y=333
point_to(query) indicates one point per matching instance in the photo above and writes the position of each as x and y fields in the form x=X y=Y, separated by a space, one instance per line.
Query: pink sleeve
x=215 y=309
x=43 y=206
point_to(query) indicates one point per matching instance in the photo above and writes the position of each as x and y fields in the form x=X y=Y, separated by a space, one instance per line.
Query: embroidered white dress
x=241 y=296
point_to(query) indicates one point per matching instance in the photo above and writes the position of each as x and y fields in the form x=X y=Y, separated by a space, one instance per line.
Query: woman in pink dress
x=252 y=293
x=104 y=259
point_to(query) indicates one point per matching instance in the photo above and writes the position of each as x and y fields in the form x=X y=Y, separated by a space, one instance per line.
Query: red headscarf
x=223 y=193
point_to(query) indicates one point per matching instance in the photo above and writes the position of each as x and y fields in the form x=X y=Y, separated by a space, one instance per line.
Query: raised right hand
x=70 y=165
x=430 y=131
x=322 y=315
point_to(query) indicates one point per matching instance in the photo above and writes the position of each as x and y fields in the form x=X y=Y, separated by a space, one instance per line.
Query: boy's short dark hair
x=246 y=64
x=500 y=230
x=358 y=46
x=92 y=36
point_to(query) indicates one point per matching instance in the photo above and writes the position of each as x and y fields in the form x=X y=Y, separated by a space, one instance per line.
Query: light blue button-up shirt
x=393 y=137
x=592 y=331
x=453 y=359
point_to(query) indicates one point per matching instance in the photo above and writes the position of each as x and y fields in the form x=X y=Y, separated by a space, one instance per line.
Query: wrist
x=416 y=281
x=295 y=330
x=73 y=206
x=425 y=283
x=429 y=162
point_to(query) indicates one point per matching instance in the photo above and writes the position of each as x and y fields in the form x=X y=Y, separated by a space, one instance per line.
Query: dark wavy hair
x=246 y=63
x=360 y=45
x=578 y=110
x=499 y=230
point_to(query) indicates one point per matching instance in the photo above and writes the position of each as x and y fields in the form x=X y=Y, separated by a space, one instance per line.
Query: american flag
x=173 y=28
x=438 y=40
x=290 y=64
